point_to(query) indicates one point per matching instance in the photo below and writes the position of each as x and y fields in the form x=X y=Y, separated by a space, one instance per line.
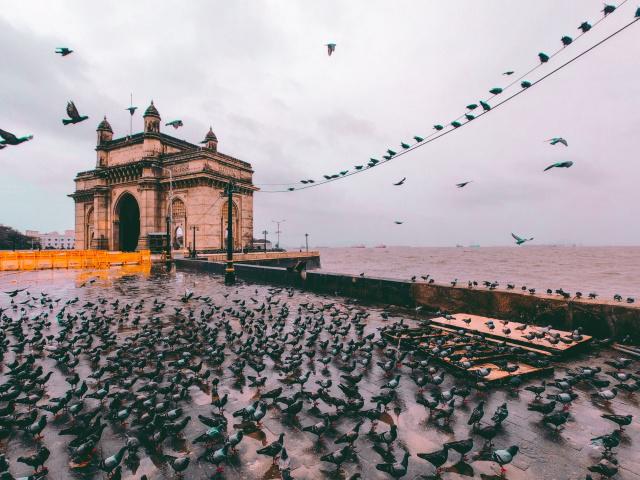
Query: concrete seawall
x=601 y=319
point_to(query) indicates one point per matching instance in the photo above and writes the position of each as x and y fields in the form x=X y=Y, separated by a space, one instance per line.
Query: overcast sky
x=259 y=73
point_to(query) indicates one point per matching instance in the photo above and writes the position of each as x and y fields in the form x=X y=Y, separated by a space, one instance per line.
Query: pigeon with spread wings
x=8 y=138
x=520 y=240
x=74 y=116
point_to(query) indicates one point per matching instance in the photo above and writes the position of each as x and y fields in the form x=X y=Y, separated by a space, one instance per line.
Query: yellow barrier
x=49 y=259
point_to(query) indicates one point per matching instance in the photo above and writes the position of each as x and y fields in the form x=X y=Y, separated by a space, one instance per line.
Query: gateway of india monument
x=141 y=180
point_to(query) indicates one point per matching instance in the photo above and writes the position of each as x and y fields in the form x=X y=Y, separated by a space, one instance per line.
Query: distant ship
x=474 y=246
x=459 y=246
x=381 y=246
x=358 y=246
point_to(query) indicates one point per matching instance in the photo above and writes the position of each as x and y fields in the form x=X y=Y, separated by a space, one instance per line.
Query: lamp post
x=193 y=253
x=278 y=222
x=229 y=272
x=264 y=245
x=306 y=241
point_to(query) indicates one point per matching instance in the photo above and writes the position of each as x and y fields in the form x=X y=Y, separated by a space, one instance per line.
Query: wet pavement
x=543 y=452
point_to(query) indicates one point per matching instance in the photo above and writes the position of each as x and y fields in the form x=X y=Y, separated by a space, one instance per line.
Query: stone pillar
x=102 y=229
x=149 y=210
x=247 y=220
x=81 y=225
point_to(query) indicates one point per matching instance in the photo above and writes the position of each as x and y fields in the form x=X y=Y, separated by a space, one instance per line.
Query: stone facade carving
x=137 y=177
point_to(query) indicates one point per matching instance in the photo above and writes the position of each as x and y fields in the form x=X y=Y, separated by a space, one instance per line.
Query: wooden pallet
x=478 y=325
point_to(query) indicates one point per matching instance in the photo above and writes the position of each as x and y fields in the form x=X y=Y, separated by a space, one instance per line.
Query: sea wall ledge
x=598 y=318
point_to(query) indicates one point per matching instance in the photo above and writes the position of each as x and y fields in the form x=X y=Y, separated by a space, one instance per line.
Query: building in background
x=54 y=240
x=142 y=179
x=261 y=244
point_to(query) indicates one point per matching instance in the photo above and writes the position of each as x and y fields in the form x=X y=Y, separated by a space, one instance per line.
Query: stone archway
x=89 y=229
x=126 y=223
x=179 y=213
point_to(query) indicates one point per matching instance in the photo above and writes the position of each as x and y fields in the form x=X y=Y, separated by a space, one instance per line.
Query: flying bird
x=11 y=139
x=175 y=124
x=131 y=109
x=398 y=222
x=331 y=47
x=463 y=184
x=74 y=116
x=401 y=182
x=556 y=140
x=520 y=240
x=566 y=164
x=508 y=72
x=63 y=51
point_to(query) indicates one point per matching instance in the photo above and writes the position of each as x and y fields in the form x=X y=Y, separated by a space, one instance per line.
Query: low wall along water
x=600 y=319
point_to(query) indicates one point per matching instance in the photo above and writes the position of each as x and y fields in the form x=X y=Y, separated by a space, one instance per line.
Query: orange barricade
x=49 y=259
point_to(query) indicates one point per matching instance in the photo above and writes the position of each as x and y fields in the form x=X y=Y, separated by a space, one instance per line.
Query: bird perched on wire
x=556 y=140
x=566 y=164
x=11 y=139
x=63 y=51
x=463 y=184
x=401 y=182
x=74 y=116
x=175 y=124
x=331 y=47
x=520 y=240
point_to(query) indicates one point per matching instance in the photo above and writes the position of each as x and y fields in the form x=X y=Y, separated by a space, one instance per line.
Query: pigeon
x=520 y=240
x=11 y=139
x=461 y=446
x=609 y=441
x=395 y=469
x=175 y=124
x=273 y=449
x=339 y=456
x=74 y=116
x=63 y=51
x=331 y=47
x=504 y=457
x=556 y=140
x=463 y=184
x=621 y=420
x=604 y=468
x=436 y=458
x=401 y=182
x=566 y=164
x=398 y=222
x=508 y=72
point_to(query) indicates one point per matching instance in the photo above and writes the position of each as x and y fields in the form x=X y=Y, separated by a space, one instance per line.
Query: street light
x=306 y=241
x=264 y=245
x=278 y=222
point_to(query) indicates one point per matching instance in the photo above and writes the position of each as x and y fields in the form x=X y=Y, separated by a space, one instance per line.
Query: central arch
x=127 y=214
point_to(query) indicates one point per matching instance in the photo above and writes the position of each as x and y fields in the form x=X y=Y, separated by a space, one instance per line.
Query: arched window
x=178 y=209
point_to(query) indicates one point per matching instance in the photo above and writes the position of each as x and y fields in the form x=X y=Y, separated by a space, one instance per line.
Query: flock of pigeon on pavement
x=131 y=371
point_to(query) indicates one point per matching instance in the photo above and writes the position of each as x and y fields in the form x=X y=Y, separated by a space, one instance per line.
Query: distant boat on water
x=381 y=246
x=459 y=246
x=474 y=246
x=358 y=246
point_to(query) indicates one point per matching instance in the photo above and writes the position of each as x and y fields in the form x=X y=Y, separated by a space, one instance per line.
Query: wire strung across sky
x=451 y=127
